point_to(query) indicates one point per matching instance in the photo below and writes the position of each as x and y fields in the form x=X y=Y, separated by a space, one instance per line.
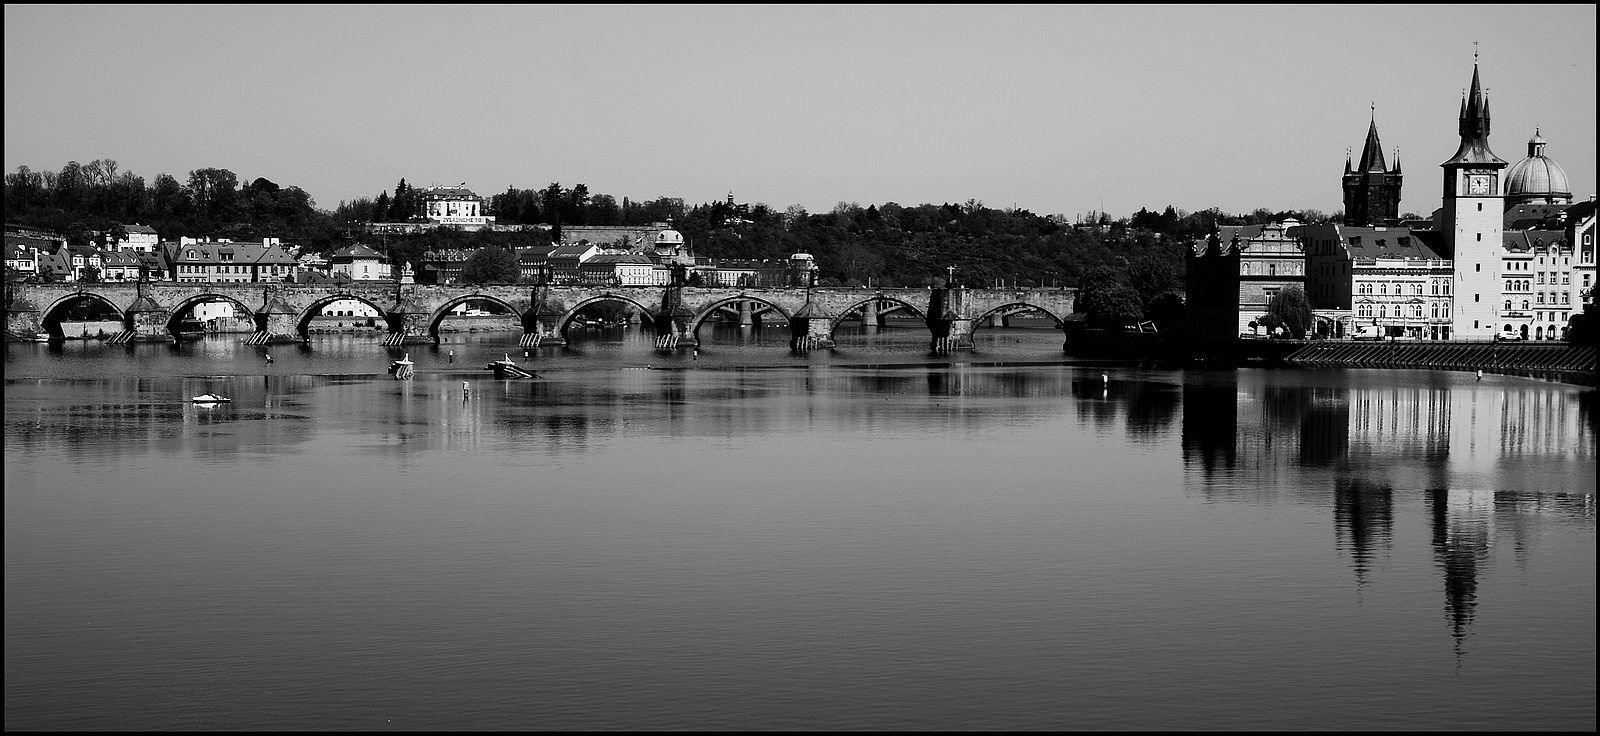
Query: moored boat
x=403 y=368
x=211 y=399
x=506 y=368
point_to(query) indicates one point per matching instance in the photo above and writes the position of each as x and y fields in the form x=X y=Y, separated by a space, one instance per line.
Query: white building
x=360 y=263
x=456 y=206
x=141 y=238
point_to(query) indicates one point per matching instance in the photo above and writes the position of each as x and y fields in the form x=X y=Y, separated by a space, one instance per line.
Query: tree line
x=1126 y=265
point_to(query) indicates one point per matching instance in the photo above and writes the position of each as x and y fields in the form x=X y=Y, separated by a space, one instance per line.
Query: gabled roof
x=570 y=251
x=358 y=251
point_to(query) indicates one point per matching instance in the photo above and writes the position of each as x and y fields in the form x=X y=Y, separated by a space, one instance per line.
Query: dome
x=673 y=237
x=1537 y=179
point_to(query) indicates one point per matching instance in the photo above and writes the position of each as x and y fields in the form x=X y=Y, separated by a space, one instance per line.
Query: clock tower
x=1473 y=222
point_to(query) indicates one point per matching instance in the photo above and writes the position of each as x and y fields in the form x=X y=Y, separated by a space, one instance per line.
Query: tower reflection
x=1488 y=458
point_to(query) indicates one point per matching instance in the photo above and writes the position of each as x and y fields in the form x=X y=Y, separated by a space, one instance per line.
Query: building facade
x=1388 y=278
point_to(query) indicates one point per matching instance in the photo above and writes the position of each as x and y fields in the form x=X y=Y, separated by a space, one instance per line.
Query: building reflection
x=1462 y=523
x=1363 y=523
x=1489 y=460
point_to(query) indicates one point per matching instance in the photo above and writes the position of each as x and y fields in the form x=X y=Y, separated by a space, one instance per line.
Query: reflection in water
x=1363 y=522
x=1463 y=531
x=1504 y=450
x=798 y=544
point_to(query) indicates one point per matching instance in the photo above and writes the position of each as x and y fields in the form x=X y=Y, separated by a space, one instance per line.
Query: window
x=1508 y=305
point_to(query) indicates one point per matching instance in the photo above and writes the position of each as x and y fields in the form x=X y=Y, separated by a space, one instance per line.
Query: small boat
x=403 y=368
x=211 y=399
x=41 y=337
x=505 y=368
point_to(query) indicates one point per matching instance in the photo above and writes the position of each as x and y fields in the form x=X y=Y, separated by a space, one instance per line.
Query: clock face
x=1477 y=185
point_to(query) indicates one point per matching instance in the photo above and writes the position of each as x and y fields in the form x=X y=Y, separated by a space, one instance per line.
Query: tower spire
x=1474 y=123
x=1372 y=151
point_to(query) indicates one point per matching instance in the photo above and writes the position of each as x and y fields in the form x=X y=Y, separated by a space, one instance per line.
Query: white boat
x=41 y=337
x=211 y=399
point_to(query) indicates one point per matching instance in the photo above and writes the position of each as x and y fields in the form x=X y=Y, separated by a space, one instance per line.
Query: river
x=871 y=537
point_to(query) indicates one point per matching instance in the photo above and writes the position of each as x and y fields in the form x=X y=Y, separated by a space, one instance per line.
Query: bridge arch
x=646 y=314
x=443 y=310
x=709 y=310
x=1010 y=308
x=50 y=317
x=188 y=303
x=859 y=305
x=313 y=309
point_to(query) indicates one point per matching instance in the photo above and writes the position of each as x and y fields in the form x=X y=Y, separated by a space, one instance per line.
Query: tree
x=491 y=265
x=1291 y=310
x=1583 y=329
x=1151 y=276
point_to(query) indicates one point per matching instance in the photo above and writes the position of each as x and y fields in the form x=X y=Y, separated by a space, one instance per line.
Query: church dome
x=670 y=237
x=1537 y=179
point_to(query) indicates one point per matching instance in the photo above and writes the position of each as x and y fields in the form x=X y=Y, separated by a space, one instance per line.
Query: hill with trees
x=1128 y=267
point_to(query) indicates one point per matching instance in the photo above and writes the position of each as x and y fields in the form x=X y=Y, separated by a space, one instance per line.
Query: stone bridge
x=413 y=312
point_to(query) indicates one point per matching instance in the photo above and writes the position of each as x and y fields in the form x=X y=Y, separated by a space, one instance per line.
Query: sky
x=1054 y=109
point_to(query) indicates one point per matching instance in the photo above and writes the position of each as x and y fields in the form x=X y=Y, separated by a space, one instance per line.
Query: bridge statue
x=151 y=311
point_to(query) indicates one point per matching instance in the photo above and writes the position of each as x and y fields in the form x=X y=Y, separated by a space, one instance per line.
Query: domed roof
x=673 y=237
x=1538 y=176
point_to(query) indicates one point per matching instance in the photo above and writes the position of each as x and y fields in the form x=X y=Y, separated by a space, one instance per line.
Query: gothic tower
x=1371 y=189
x=1473 y=221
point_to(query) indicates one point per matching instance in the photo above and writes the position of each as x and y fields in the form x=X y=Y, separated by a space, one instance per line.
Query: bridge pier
x=408 y=328
x=145 y=321
x=22 y=318
x=948 y=321
x=672 y=322
x=869 y=314
x=276 y=323
x=811 y=328
x=540 y=323
x=745 y=317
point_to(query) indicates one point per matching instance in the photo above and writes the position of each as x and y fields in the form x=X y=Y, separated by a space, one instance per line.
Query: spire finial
x=1474 y=53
